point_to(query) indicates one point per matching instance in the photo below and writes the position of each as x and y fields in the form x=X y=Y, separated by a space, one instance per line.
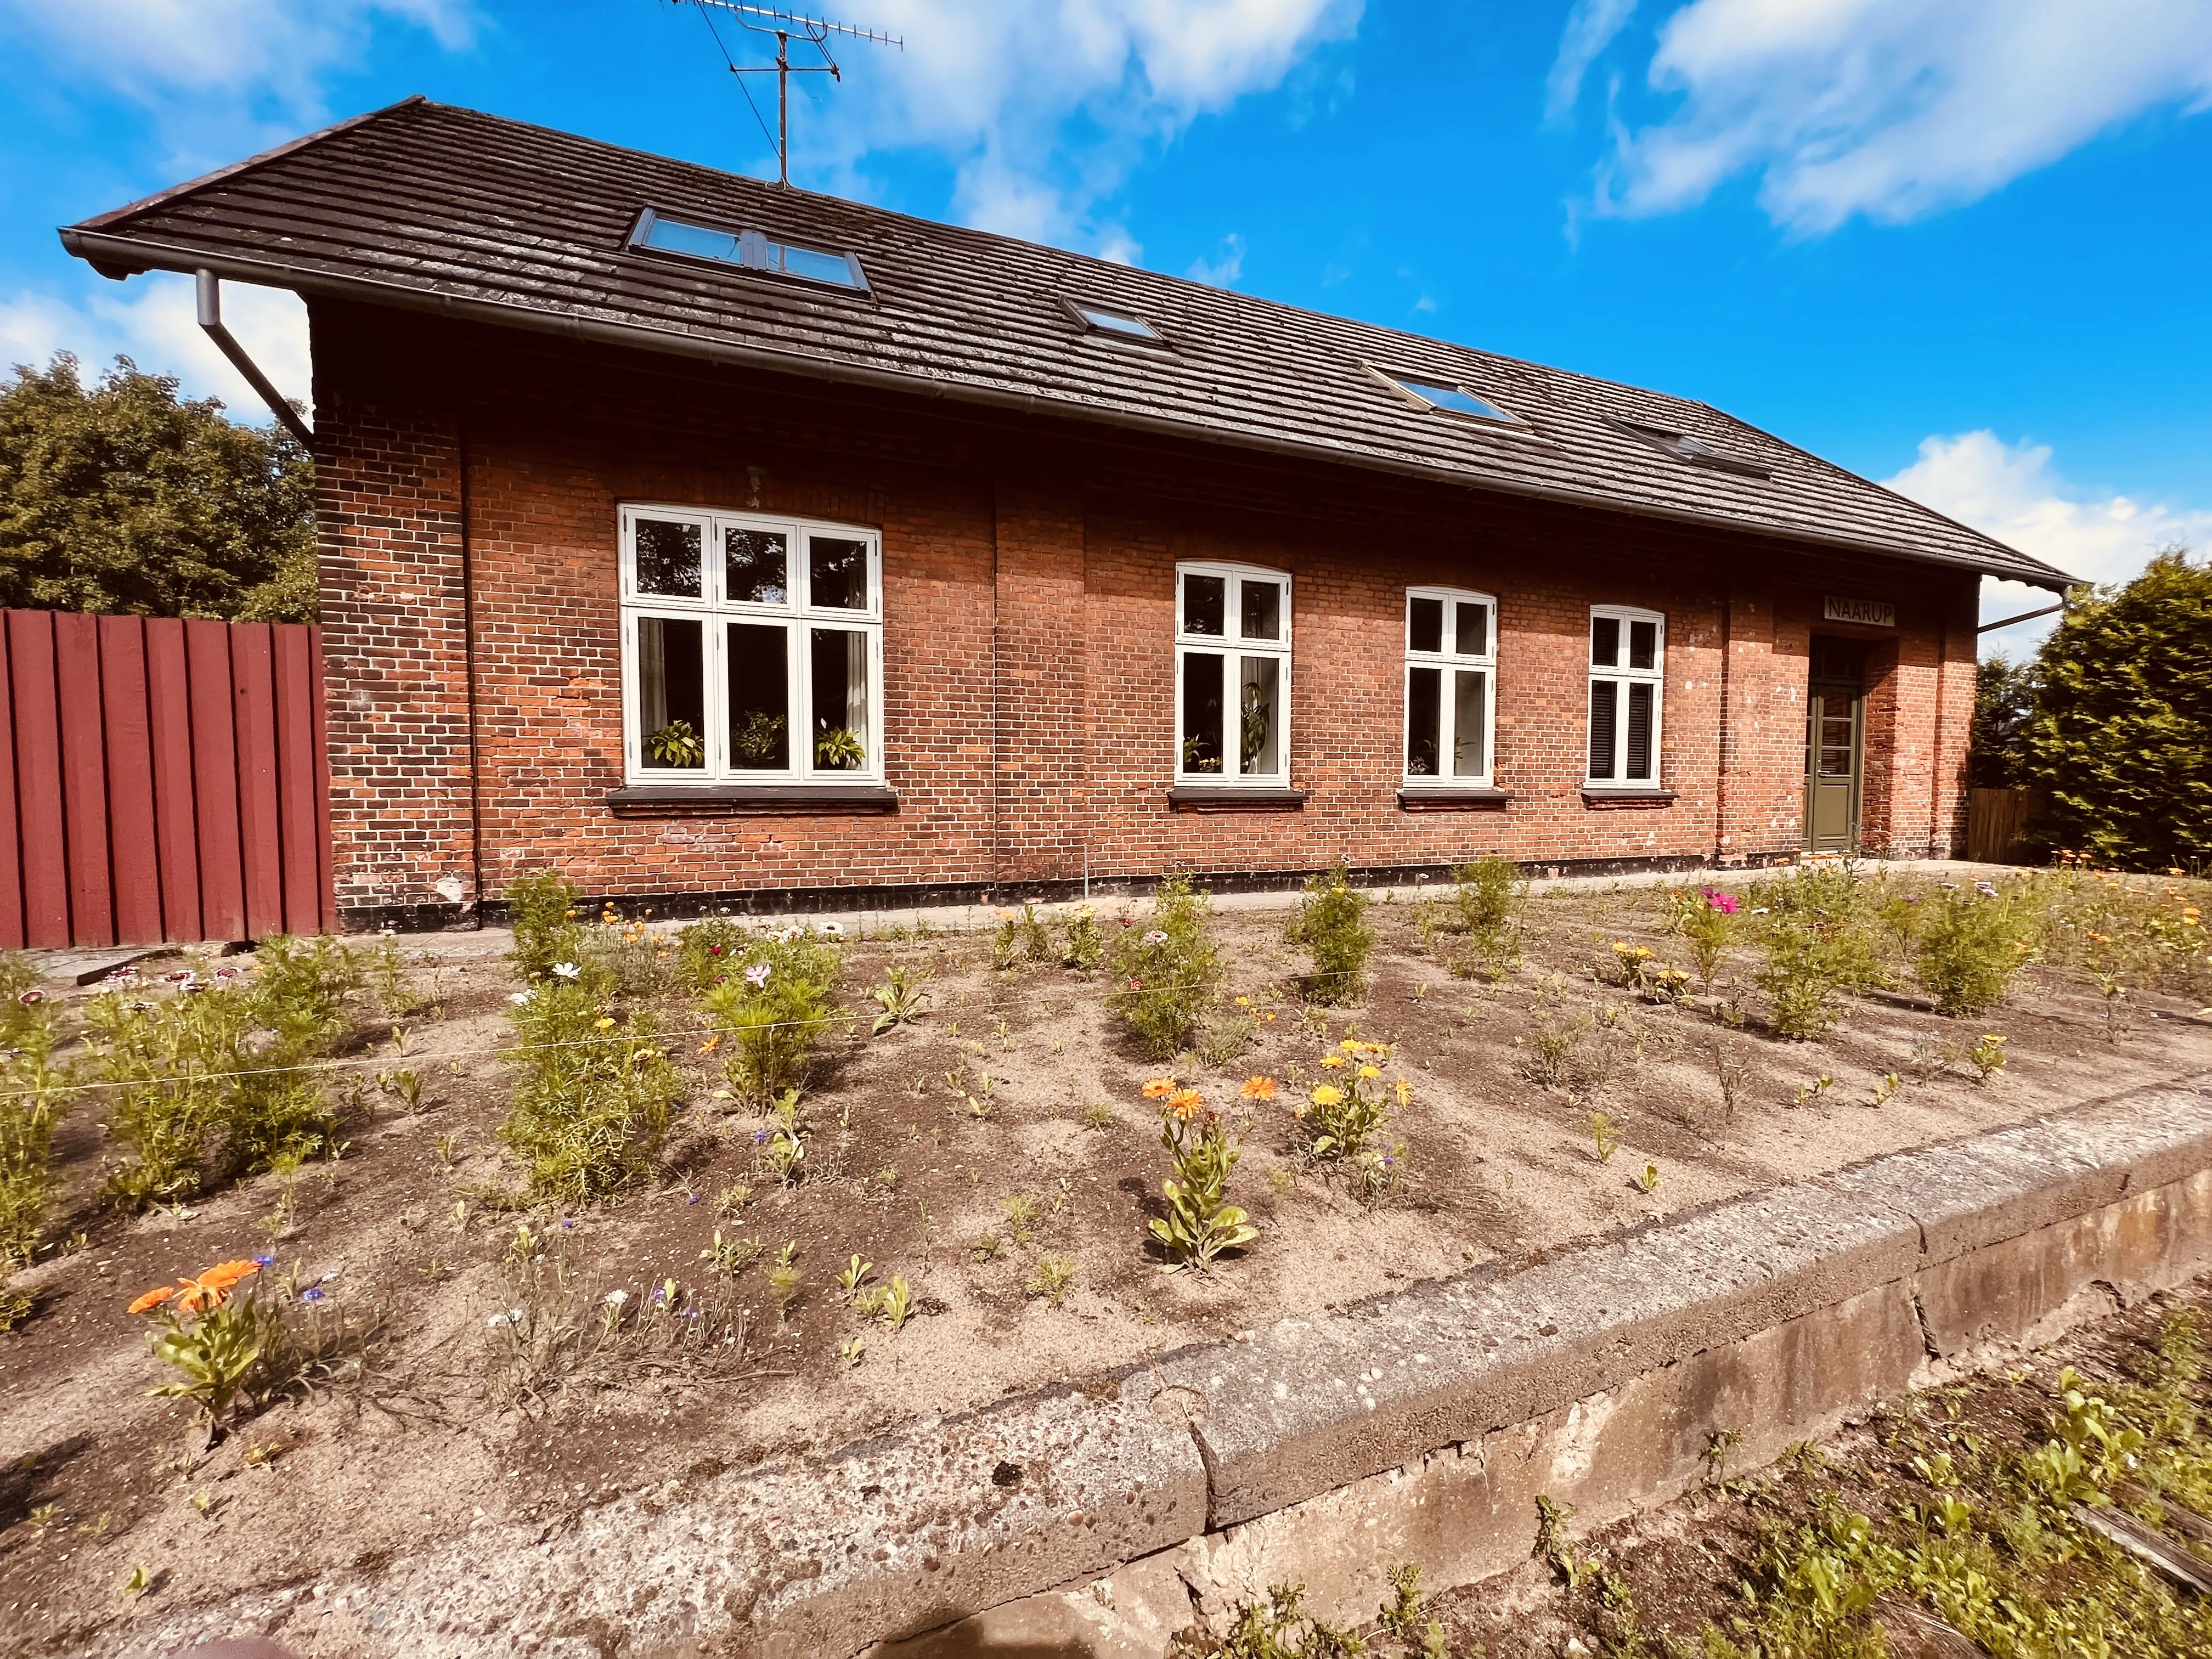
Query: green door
x=1835 y=709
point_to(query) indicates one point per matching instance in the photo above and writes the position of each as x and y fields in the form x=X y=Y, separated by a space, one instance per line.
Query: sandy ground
x=1494 y=1168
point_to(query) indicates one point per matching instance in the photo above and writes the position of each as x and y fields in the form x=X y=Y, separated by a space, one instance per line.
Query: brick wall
x=1029 y=630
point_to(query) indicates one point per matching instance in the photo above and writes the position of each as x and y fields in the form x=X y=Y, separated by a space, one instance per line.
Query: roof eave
x=123 y=256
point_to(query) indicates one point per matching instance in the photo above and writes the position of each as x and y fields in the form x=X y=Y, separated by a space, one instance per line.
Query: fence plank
x=214 y=780
x=295 y=778
x=84 y=778
x=131 y=823
x=11 y=845
x=1994 y=818
x=326 y=878
x=39 y=779
x=169 y=726
x=254 y=686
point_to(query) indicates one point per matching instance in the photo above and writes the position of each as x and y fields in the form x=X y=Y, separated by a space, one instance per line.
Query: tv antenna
x=817 y=31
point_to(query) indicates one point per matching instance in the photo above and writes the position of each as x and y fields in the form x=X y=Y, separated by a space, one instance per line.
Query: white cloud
x=155 y=321
x=151 y=48
x=1591 y=29
x=1891 y=108
x=1223 y=271
x=2011 y=491
x=991 y=83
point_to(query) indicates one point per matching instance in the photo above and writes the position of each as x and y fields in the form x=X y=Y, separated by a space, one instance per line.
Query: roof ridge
x=289 y=147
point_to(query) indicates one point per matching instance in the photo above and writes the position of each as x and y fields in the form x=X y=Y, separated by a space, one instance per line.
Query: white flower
x=512 y=1317
x=1154 y=936
x=832 y=930
x=616 y=1298
x=756 y=975
x=519 y=998
x=566 y=970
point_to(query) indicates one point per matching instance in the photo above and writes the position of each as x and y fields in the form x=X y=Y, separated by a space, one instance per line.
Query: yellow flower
x=1332 y=1059
x=1159 y=1088
x=1243 y=1002
x=605 y=1024
x=1324 y=1095
x=1352 y=1045
x=1405 y=1091
x=1369 y=1072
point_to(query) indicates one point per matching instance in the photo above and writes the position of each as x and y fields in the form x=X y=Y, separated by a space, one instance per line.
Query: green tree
x=121 y=497
x=2005 y=702
x=2121 y=740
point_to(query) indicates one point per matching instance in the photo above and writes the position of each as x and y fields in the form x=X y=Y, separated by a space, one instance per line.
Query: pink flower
x=1724 y=902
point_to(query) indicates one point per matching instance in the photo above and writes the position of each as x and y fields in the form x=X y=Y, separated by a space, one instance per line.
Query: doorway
x=1835 y=719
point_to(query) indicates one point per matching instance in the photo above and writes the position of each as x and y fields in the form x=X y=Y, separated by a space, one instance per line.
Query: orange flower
x=711 y=1043
x=1332 y=1060
x=1258 y=1088
x=154 y=1298
x=212 y=1288
x=1186 y=1103
x=1159 y=1088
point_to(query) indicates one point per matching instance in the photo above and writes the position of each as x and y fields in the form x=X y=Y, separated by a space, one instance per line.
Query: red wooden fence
x=160 y=781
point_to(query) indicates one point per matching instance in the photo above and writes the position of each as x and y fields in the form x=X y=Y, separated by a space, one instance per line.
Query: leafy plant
x=900 y=997
x=1021 y=1210
x=783 y=1278
x=1487 y=895
x=1282 y=1629
x=1972 y=943
x=676 y=744
x=1168 y=970
x=1341 y=1115
x=1054 y=1272
x=541 y=908
x=773 y=1007
x=730 y=1256
x=839 y=748
x=1605 y=1135
x=1647 y=1178
x=1987 y=1056
x=1331 y=923
x=1706 y=917
x=592 y=1096
x=1084 y=946
x=31 y=1097
x=783 y=1142
x=1200 y=1222
x=1817 y=947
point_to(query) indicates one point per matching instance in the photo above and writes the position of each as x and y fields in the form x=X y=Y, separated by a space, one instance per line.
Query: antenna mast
x=815 y=31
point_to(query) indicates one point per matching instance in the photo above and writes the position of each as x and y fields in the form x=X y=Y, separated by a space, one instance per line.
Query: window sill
x=1600 y=798
x=730 y=799
x=1233 y=798
x=1438 y=798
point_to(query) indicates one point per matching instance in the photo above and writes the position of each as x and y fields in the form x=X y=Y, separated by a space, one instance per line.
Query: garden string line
x=478 y=1054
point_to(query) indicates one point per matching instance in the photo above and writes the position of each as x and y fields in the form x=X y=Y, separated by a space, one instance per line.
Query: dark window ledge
x=731 y=799
x=1451 y=800
x=1208 y=798
x=1616 y=798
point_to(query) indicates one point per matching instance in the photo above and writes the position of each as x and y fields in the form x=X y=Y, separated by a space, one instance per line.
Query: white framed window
x=752 y=648
x=1627 y=680
x=1451 y=670
x=1232 y=675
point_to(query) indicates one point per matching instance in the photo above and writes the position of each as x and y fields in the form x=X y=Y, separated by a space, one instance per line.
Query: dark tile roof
x=429 y=206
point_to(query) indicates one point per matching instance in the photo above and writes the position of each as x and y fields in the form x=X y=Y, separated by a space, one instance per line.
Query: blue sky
x=1961 y=248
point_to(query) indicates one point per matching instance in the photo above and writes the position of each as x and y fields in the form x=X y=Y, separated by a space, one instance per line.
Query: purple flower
x=264 y=1260
x=314 y=1293
x=694 y=1198
x=756 y=975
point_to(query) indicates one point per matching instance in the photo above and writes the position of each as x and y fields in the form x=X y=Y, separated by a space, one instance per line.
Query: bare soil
x=1494 y=1168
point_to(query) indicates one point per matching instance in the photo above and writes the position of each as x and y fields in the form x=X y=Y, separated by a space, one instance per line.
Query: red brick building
x=725 y=544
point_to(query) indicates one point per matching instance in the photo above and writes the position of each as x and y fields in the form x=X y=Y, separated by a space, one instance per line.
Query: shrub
x=1086 y=944
x=1169 y=971
x=1344 y=1116
x=773 y=1004
x=210 y=1081
x=541 y=907
x=1487 y=895
x=1706 y=917
x=1971 y=943
x=29 y=1085
x=706 y=951
x=1332 y=924
x=1818 y=945
x=590 y=1106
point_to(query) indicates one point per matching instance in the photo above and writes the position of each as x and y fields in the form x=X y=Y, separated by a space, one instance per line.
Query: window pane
x=1469 y=692
x=1605 y=643
x=694 y=239
x=1258 y=706
x=1474 y=630
x=1263 y=609
x=1201 y=712
x=1205 y=605
x=672 y=693
x=837 y=573
x=668 y=558
x=1639 y=769
x=1643 y=645
x=760 y=698
x=1605 y=708
x=808 y=262
x=753 y=567
x=1425 y=625
x=1424 y=698
x=837 y=670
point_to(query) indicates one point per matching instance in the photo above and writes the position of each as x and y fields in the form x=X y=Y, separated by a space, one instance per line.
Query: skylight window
x=749 y=250
x=1457 y=400
x=1689 y=446
x=1114 y=322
